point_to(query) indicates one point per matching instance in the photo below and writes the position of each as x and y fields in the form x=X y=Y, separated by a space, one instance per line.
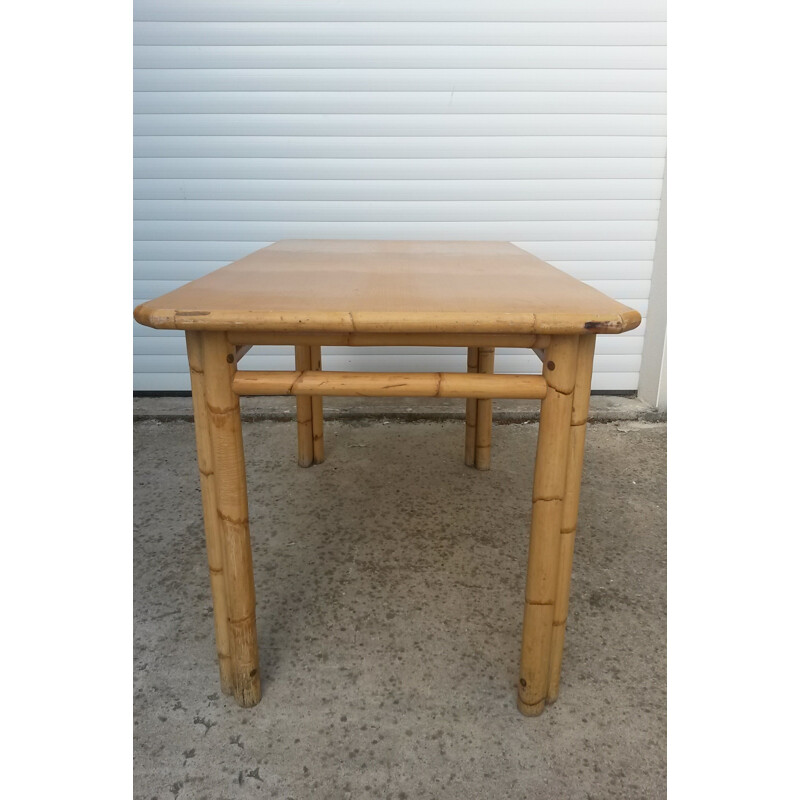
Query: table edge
x=383 y=322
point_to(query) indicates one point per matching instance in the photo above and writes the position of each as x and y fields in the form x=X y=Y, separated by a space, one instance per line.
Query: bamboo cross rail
x=302 y=383
x=308 y=294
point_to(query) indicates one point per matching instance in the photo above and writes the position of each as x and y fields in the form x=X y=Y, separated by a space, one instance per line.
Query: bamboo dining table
x=313 y=293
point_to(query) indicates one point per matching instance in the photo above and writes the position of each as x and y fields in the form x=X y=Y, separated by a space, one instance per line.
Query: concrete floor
x=389 y=584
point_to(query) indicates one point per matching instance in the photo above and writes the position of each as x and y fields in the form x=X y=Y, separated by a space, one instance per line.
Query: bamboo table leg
x=483 y=416
x=472 y=412
x=305 y=430
x=316 y=410
x=205 y=462
x=549 y=480
x=225 y=429
x=572 y=491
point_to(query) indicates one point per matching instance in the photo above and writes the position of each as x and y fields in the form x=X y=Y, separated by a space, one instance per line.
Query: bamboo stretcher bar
x=526 y=340
x=389 y=384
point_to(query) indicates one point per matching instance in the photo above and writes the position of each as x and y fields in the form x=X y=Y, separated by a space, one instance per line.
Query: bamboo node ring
x=220 y=412
x=233 y=520
x=556 y=389
x=532 y=704
x=294 y=383
x=240 y=620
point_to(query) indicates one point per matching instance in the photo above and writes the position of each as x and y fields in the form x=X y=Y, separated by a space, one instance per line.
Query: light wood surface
x=335 y=286
x=389 y=384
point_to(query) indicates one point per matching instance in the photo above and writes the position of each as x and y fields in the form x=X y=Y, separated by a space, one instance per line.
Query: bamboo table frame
x=478 y=295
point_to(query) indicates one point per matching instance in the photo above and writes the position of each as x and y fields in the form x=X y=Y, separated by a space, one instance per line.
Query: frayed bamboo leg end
x=225 y=674
x=248 y=692
x=249 y=695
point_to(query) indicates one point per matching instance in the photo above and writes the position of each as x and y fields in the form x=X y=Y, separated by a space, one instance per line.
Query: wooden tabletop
x=335 y=286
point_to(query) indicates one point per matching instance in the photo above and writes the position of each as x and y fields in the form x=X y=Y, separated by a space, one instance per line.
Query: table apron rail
x=389 y=384
x=525 y=340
